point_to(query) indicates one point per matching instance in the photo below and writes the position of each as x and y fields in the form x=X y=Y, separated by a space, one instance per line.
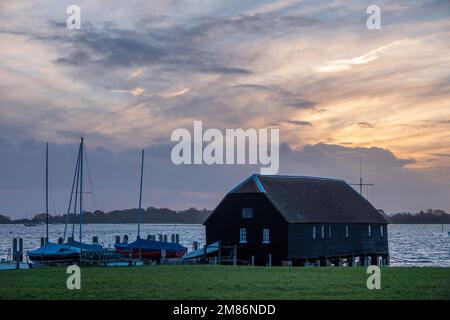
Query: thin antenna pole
x=360 y=174
x=81 y=186
x=361 y=184
x=46 y=187
x=140 y=198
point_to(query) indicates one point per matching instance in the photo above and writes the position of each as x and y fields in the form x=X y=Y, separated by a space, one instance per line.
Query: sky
x=137 y=70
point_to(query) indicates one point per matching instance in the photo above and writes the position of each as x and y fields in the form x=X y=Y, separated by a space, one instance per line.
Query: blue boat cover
x=151 y=245
x=54 y=249
x=94 y=247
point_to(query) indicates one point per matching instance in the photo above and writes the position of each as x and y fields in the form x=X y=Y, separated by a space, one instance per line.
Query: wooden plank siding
x=227 y=221
x=301 y=244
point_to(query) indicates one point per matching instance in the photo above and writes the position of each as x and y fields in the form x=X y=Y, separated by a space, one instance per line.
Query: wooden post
x=20 y=250
x=363 y=260
x=14 y=249
x=253 y=260
x=219 y=253
x=270 y=260
x=235 y=255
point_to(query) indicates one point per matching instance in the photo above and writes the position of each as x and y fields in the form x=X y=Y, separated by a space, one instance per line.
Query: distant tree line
x=149 y=215
x=430 y=216
x=196 y=216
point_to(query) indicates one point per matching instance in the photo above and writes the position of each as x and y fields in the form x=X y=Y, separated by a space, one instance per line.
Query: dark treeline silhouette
x=194 y=216
x=149 y=215
x=428 y=217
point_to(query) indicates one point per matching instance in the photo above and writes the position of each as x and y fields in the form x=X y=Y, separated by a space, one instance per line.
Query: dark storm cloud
x=174 y=46
x=125 y=48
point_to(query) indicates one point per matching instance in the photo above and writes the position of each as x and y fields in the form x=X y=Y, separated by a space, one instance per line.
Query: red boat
x=150 y=249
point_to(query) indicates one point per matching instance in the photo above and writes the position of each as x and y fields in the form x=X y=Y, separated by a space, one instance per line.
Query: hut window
x=266 y=235
x=329 y=232
x=347 y=233
x=247 y=213
x=314 y=235
x=382 y=231
x=370 y=230
x=243 y=235
x=322 y=229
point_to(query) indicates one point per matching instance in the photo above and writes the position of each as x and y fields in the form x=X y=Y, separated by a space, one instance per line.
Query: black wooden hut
x=299 y=220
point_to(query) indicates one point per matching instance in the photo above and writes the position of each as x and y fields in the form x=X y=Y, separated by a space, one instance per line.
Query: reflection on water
x=409 y=245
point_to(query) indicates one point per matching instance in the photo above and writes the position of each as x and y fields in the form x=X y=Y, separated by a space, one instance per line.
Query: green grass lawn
x=225 y=282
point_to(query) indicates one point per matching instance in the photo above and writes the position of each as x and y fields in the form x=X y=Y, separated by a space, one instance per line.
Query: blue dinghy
x=52 y=252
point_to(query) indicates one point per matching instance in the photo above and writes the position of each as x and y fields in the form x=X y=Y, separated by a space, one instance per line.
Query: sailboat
x=145 y=248
x=71 y=251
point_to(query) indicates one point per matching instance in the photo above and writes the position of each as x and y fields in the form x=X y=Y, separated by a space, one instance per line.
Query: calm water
x=409 y=245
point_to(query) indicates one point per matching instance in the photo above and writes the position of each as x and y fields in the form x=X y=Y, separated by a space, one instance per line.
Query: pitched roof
x=303 y=199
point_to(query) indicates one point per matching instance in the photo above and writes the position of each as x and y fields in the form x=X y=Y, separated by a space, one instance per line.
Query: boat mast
x=77 y=184
x=140 y=198
x=46 y=189
x=71 y=196
x=81 y=187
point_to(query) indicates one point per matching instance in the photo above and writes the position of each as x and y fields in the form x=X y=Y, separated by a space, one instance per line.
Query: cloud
x=126 y=48
x=135 y=92
x=294 y=123
x=136 y=74
x=246 y=24
x=345 y=64
x=366 y=125
x=175 y=93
